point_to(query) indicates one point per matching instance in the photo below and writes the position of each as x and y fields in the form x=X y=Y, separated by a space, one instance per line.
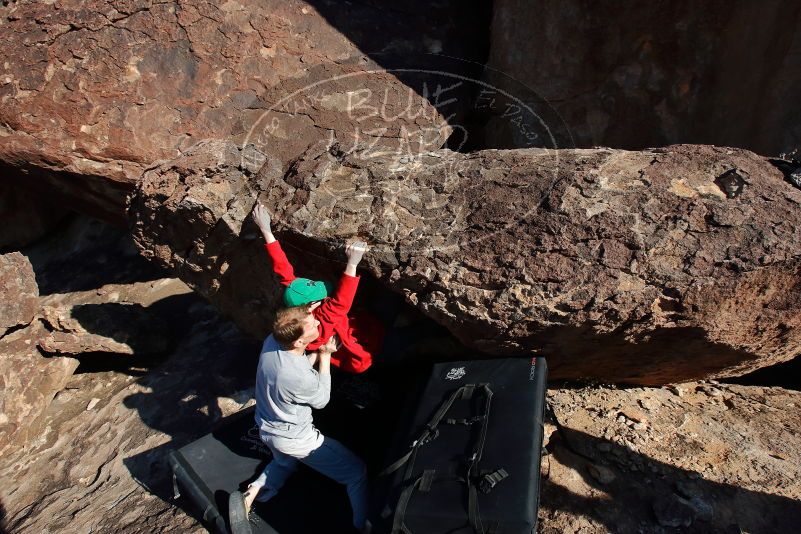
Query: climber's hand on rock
x=263 y=221
x=261 y=216
x=355 y=251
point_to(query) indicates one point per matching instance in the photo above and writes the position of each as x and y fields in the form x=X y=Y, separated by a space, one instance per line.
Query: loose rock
x=601 y=473
x=28 y=383
x=673 y=512
x=19 y=294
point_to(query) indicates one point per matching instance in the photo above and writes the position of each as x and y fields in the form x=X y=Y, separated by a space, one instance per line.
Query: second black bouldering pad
x=210 y=468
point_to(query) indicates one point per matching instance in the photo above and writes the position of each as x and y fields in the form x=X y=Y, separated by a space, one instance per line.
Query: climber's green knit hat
x=304 y=291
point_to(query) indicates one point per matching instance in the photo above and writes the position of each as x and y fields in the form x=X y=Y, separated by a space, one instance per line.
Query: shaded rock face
x=26 y=217
x=19 y=294
x=112 y=328
x=699 y=457
x=94 y=92
x=619 y=266
x=678 y=72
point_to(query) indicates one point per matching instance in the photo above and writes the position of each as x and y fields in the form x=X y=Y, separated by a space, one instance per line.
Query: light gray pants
x=332 y=459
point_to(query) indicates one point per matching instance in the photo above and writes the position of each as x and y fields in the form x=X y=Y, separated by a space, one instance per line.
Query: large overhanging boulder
x=641 y=267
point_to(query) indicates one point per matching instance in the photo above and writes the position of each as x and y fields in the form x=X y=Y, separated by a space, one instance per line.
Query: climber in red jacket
x=361 y=335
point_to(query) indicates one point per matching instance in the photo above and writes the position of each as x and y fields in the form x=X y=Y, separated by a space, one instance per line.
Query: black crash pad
x=207 y=470
x=487 y=414
x=225 y=460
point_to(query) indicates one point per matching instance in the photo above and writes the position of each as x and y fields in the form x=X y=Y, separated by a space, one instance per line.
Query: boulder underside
x=640 y=267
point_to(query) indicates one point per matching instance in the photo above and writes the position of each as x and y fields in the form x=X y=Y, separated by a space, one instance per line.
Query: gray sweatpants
x=332 y=459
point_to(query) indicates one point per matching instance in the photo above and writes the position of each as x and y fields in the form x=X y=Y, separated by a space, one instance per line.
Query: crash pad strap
x=423 y=482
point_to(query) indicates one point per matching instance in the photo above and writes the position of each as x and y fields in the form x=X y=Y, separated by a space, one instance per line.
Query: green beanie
x=304 y=291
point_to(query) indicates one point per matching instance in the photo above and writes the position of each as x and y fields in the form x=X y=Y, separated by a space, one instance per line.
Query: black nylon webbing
x=400 y=510
x=473 y=514
x=429 y=432
x=426 y=479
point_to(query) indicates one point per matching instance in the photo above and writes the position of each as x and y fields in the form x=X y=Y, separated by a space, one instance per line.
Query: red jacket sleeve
x=281 y=265
x=336 y=308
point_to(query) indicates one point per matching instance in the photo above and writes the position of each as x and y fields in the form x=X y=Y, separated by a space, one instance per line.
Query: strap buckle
x=426 y=480
x=490 y=480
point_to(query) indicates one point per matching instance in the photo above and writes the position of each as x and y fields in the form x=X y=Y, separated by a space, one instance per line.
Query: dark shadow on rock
x=785 y=375
x=438 y=51
x=647 y=495
x=152 y=332
x=665 y=355
x=26 y=217
x=184 y=390
x=426 y=46
x=3 y=525
x=445 y=46
x=151 y=471
x=181 y=395
x=87 y=254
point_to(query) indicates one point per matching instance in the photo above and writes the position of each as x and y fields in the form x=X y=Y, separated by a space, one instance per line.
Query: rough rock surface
x=94 y=92
x=96 y=326
x=28 y=380
x=678 y=72
x=78 y=468
x=698 y=457
x=19 y=294
x=28 y=383
x=98 y=464
x=619 y=266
